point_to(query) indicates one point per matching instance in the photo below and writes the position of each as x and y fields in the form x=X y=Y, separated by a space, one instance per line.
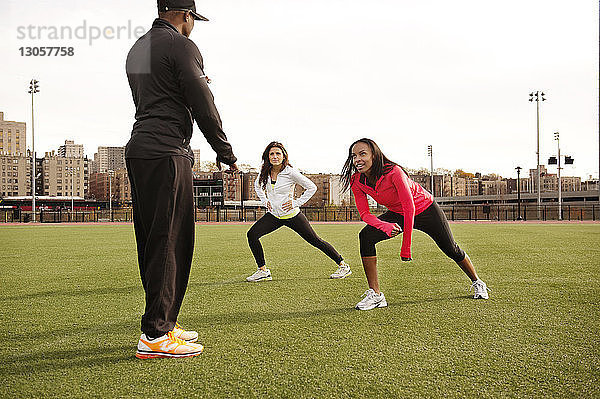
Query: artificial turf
x=71 y=301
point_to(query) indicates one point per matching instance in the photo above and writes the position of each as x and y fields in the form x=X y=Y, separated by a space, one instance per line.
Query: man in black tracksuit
x=169 y=88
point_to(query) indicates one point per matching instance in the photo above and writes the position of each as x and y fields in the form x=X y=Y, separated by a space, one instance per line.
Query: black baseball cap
x=180 y=5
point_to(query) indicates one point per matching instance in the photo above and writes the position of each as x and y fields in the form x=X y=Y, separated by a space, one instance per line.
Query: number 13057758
x=47 y=51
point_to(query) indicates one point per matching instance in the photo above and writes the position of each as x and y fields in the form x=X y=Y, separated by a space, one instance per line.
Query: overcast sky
x=318 y=75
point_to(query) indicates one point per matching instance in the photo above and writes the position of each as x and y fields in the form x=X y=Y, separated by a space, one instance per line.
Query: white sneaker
x=342 y=271
x=481 y=290
x=371 y=300
x=260 y=275
x=186 y=335
x=166 y=346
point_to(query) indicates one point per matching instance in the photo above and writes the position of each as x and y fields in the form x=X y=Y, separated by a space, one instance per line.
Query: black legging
x=431 y=221
x=269 y=223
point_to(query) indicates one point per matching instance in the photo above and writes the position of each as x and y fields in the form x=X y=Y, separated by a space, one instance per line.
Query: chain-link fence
x=492 y=212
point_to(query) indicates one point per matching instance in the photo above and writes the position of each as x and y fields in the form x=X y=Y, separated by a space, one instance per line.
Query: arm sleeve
x=260 y=192
x=402 y=185
x=191 y=78
x=309 y=188
x=363 y=209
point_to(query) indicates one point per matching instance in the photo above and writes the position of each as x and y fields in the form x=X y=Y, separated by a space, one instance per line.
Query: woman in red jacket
x=368 y=172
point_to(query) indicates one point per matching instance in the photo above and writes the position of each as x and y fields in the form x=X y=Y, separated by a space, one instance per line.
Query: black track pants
x=269 y=223
x=163 y=218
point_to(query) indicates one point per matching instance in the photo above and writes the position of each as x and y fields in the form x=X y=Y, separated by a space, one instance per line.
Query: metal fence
x=67 y=216
x=495 y=212
x=328 y=214
x=510 y=212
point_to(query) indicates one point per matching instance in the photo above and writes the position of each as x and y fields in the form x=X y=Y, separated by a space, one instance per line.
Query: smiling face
x=275 y=156
x=362 y=157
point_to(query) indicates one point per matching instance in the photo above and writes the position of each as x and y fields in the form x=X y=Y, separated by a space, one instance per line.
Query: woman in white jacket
x=275 y=188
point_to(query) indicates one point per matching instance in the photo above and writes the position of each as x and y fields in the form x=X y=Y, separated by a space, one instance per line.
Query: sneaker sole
x=480 y=297
x=340 y=277
x=260 y=279
x=381 y=304
x=162 y=355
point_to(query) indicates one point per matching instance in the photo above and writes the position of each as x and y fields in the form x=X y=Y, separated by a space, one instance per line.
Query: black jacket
x=165 y=73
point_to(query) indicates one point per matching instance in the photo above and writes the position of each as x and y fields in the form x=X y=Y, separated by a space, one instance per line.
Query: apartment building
x=512 y=185
x=16 y=175
x=443 y=185
x=590 y=184
x=473 y=187
x=70 y=150
x=494 y=187
x=458 y=187
x=249 y=191
x=196 y=167
x=13 y=139
x=109 y=158
x=336 y=196
x=92 y=166
x=232 y=185
x=62 y=176
x=549 y=181
x=568 y=183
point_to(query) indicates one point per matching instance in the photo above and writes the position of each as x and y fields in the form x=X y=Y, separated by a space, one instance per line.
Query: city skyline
x=73 y=176
x=318 y=75
x=546 y=168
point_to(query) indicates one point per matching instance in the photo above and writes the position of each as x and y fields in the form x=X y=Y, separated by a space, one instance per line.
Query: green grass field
x=71 y=302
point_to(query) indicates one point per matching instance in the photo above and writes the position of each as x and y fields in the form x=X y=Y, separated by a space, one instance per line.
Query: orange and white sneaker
x=166 y=346
x=188 y=336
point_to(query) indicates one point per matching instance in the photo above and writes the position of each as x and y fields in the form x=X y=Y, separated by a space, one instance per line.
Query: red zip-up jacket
x=398 y=193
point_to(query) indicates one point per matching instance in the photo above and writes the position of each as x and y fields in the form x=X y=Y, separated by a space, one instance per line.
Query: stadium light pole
x=537 y=97
x=518 y=168
x=430 y=154
x=243 y=219
x=557 y=138
x=110 y=194
x=72 y=202
x=33 y=88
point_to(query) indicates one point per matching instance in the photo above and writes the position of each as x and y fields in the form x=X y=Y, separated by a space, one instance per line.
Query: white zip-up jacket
x=284 y=191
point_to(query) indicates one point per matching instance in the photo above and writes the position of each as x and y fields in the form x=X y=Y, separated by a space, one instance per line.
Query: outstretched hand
x=232 y=168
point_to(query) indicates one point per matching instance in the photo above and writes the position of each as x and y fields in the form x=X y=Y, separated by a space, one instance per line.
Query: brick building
x=121 y=187
x=103 y=184
x=321 y=197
